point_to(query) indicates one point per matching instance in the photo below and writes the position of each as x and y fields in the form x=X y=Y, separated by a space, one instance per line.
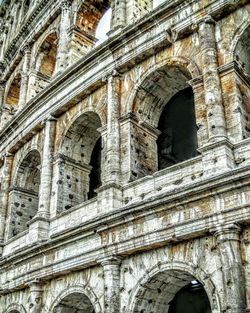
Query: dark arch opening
x=242 y=51
x=95 y=174
x=169 y=292
x=81 y=151
x=190 y=299
x=75 y=303
x=25 y=194
x=178 y=139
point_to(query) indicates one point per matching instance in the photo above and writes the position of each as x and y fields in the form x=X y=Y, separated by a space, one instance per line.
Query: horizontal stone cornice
x=185 y=229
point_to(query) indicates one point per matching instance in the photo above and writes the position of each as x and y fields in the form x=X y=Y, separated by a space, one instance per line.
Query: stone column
x=212 y=84
x=4 y=194
x=35 y=299
x=112 y=171
x=25 y=76
x=228 y=240
x=47 y=168
x=118 y=18
x=111 y=269
x=63 y=42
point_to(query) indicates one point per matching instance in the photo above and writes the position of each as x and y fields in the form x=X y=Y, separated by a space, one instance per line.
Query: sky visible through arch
x=104 y=24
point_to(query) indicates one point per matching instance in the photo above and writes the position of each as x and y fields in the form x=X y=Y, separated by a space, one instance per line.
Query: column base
x=38 y=229
x=109 y=197
x=217 y=157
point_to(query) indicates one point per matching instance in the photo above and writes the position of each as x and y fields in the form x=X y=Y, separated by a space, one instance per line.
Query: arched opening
x=13 y=94
x=25 y=193
x=81 y=169
x=164 y=130
x=46 y=57
x=95 y=173
x=75 y=302
x=239 y=97
x=191 y=298
x=178 y=139
x=242 y=51
x=91 y=25
x=172 y=291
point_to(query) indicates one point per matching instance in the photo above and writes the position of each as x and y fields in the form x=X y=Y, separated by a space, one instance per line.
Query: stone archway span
x=84 y=290
x=44 y=36
x=79 y=114
x=176 y=61
x=15 y=307
x=30 y=150
x=186 y=269
x=235 y=40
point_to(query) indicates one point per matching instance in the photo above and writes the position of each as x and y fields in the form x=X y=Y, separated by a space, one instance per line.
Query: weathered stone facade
x=125 y=166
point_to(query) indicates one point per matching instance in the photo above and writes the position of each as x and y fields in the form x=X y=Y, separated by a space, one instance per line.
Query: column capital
x=109 y=76
x=227 y=232
x=111 y=260
x=26 y=49
x=207 y=20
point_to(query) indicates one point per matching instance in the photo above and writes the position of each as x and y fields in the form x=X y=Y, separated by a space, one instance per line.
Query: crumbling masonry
x=125 y=165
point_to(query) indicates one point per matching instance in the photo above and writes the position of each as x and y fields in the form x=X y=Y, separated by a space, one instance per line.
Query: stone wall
x=144 y=233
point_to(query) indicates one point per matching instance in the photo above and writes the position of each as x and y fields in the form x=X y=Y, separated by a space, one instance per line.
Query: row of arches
x=91 y=25
x=82 y=154
x=171 y=291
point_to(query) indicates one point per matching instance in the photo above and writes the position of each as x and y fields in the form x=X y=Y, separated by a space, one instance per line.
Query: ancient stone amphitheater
x=125 y=158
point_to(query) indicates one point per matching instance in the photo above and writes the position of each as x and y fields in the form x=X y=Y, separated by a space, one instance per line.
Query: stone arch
x=87 y=16
x=15 y=308
x=80 y=143
x=87 y=294
x=13 y=92
x=240 y=47
x=24 y=195
x=165 y=280
x=163 y=93
x=178 y=61
x=45 y=60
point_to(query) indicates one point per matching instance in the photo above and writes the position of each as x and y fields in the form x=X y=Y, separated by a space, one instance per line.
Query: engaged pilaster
x=118 y=19
x=4 y=195
x=111 y=269
x=113 y=129
x=47 y=168
x=35 y=299
x=212 y=84
x=62 y=52
x=228 y=240
x=25 y=75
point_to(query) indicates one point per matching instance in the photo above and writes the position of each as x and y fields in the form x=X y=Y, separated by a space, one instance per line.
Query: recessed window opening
x=178 y=139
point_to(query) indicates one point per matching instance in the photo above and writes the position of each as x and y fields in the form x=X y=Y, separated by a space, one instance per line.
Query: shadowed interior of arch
x=242 y=51
x=172 y=291
x=165 y=101
x=13 y=94
x=46 y=56
x=81 y=152
x=74 y=303
x=25 y=193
